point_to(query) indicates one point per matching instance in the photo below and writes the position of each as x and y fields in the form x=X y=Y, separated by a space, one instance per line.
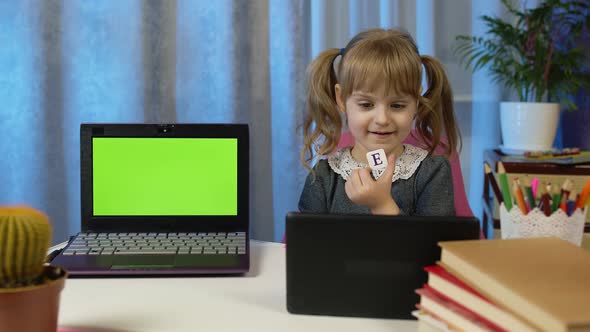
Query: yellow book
x=544 y=281
x=570 y=159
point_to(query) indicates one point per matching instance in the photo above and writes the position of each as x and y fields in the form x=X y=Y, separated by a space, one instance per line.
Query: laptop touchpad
x=142 y=261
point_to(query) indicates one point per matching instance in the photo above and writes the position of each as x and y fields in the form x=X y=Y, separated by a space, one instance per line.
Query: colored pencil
x=546 y=204
x=519 y=196
x=563 y=203
x=556 y=198
x=571 y=202
x=584 y=196
x=504 y=184
x=528 y=190
x=492 y=179
x=534 y=186
x=566 y=187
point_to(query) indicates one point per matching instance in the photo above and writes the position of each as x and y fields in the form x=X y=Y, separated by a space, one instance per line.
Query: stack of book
x=532 y=284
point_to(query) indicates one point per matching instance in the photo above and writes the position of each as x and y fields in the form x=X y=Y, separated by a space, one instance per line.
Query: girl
x=376 y=88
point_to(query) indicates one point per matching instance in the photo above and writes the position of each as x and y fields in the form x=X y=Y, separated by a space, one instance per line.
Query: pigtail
x=436 y=115
x=322 y=124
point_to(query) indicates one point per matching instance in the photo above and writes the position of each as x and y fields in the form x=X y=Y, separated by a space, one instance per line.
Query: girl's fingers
x=356 y=177
x=350 y=189
x=365 y=176
x=388 y=173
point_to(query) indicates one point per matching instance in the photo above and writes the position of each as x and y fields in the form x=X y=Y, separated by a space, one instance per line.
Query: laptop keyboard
x=157 y=243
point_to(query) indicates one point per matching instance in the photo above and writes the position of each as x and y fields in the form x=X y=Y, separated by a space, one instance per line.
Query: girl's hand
x=375 y=194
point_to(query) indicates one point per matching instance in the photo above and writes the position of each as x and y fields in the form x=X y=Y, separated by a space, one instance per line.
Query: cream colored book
x=448 y=285
x=428 y=323
x=544 y=281
x=455 y=316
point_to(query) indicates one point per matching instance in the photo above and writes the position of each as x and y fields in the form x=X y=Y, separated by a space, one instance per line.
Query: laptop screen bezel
x=90 y=222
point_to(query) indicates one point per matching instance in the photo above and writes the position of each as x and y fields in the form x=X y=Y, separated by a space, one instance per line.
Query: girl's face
x=377 y=121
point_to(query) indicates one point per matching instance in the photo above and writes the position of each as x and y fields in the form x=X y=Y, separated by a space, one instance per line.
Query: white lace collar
x=406 y=164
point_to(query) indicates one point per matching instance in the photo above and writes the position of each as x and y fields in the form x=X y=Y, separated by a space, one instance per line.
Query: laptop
x=364 y=265
x=161 y=199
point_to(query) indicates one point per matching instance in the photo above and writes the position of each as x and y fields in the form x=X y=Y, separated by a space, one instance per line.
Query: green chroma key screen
x=164 y=176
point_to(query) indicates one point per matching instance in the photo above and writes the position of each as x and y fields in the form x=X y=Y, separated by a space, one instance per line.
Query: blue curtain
x=485 y=123
x=67 y=62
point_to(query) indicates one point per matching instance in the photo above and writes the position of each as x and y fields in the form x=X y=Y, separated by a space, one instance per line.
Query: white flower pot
x=528 y=126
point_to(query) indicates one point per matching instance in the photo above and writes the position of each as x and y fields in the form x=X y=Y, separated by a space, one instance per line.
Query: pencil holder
x=515 y=224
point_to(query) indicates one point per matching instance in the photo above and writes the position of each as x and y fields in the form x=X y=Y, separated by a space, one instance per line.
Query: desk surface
x=254 y=302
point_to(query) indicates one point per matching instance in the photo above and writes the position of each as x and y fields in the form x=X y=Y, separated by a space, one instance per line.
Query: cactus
x=25 y=235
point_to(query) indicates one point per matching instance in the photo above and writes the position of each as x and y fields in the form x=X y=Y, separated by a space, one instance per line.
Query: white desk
x=255 y=302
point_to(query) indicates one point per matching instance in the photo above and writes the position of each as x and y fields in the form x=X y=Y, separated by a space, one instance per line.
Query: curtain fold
x=289 y=56
x=485 y=121
x=68 y=62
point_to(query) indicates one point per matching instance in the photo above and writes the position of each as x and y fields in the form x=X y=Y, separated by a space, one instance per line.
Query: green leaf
x=518 y=65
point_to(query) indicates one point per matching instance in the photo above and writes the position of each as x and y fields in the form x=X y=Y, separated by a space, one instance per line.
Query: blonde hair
x=373 y=60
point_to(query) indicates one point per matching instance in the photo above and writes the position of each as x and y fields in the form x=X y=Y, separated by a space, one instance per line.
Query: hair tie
x=342 y=52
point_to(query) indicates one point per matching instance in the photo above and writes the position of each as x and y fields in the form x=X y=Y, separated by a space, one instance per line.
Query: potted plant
x=29 y=289
x=533 y=54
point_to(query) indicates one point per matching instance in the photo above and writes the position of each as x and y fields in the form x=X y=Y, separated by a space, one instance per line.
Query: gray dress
x=426 y=190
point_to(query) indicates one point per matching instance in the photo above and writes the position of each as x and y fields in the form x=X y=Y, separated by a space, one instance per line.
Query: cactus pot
x=33 y=308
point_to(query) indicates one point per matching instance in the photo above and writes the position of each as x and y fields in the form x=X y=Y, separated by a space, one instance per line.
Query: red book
x=457 y=291
x=452 y=313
